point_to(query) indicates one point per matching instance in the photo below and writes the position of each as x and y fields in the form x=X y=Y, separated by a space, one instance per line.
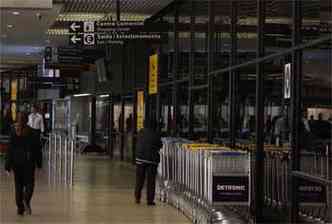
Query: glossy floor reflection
x=102 y=193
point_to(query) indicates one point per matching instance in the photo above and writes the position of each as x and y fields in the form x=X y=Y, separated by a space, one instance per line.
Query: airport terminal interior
x=224 y=107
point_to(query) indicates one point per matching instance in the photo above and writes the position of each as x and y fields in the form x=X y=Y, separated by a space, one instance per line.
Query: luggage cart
x=200 y=178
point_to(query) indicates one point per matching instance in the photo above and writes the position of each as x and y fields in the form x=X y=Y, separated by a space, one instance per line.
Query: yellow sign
x=14 y=90
x=140 y=110
x=13 y=110
x=153 y=74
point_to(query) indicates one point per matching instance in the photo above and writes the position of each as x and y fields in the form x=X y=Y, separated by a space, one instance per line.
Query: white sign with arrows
x=75 y=27
x=75 y=39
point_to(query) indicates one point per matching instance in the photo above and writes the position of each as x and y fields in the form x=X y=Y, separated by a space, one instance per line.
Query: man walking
x=36 y=120
x=23 y=157
x=147 y=160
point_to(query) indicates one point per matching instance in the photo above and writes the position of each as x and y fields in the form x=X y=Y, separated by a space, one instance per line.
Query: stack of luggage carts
x=201 y=179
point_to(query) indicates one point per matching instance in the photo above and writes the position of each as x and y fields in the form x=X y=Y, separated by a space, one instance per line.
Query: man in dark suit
x=23 y=157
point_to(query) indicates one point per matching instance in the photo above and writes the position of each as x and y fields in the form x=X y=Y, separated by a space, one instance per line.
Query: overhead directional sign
x=90 y=33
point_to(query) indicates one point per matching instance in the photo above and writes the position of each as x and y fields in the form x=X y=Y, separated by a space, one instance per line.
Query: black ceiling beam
x=58 y=1
x=166 y=10
x=118 y=10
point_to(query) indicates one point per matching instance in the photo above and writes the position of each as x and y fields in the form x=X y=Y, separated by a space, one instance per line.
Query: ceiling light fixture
x=10 y=26
x=16 y=13
x=82 y=94
x=28 y=54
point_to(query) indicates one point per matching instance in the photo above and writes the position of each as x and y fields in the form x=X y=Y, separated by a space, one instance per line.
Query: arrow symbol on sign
x=75 y=39
x=74 y=26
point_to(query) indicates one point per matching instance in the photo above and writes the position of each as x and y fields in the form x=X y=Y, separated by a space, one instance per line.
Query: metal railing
x=59 y=152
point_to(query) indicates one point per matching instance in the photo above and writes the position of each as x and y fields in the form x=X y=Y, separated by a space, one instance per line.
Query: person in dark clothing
x=311 y=122
x=24 y=155
x=129 y=122
x=7 y=122
x=147 y=160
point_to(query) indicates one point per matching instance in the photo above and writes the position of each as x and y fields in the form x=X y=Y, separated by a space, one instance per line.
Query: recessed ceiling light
x=16 y=13
x=10 y=26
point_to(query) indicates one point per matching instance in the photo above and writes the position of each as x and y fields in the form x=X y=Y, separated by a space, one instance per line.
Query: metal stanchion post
x=49 y=148
x=66 y=160
x=315 y=164
x=60 y=155
x=322 y=171
x=329 y=177
x=50 y=145
x=267 y=177
x=71 y=161
x=279 y=179
x=55 y=160
x=286 y=177
x=266 y=180
x=283 y=184
x=55 y=150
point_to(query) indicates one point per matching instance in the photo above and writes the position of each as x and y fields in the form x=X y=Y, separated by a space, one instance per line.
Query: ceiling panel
x=36 y=4
x=95 y=10
x=130 y=10
x=23 y=36
x=106 y=6
x=312 y=9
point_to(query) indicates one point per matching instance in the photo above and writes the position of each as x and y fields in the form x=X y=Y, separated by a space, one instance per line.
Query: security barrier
x=59 y=151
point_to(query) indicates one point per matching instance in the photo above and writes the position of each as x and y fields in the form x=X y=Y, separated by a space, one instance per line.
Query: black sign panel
x=73 y=55
x=230 y=189
x=70 y=55
x=311 y=192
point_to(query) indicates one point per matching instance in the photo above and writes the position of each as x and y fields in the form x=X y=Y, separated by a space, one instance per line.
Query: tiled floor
x=102 y=193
